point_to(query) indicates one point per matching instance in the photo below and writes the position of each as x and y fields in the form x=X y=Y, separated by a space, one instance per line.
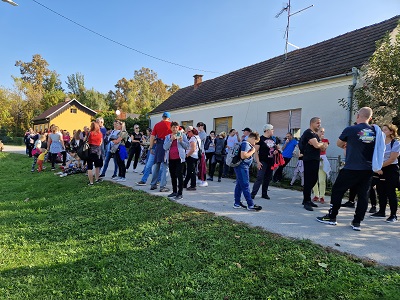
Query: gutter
x=355 y=73
x=273 y=89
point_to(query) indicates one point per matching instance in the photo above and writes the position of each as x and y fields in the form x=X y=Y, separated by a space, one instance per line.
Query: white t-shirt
x=196 y=140
x=389 y=149
x=231 y=141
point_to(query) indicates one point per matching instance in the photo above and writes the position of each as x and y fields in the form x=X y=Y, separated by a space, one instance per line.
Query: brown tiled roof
x=332 y=57
x=61 y=107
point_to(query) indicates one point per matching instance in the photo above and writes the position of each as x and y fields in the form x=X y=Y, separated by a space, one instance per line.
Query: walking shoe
x=53 y=169
x=203 y=183
x=266 y=197
x=191 y=188
x=210 y=179
x=219 y=179
x=33 y=170
x=377 y=215
x=121 y=179
x=254 y=208
x=172 y=195
x=102 y=175
x=391 y=219
x=307 y=206
x=63 y=175
x=252 y=196
x=114 y=176
x=153 y=187
x=164 y=190
x=315 y=199
x=356 y=226
x=135 y=171
x=349 y=204
x=241 y=205
x=372 y=210
x=141 y=173
x=327 y=219
x=178 y=197
x=99 y=180
x=142 y=183
x=90 y=184
x=322 y=200
x=313 y=204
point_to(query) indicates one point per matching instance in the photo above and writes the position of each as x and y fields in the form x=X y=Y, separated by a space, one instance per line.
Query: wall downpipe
x=355 y=73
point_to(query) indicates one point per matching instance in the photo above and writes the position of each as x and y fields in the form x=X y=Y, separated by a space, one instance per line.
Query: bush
x=18 y=141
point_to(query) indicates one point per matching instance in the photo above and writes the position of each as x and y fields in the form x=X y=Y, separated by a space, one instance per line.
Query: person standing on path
x=311 y=146
x=319 y=188
x=287 y=153
x=365 y=146
x=158 y=134
x=135 y=149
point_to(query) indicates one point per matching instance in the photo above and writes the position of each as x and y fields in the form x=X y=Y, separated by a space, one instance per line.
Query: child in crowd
x=40 y=160
x=299 y=170
x=38 y=148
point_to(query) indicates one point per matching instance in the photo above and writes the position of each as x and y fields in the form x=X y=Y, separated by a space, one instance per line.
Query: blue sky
x=214 y=35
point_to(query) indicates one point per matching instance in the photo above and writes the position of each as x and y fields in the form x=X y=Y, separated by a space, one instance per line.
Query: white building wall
x=316 y=99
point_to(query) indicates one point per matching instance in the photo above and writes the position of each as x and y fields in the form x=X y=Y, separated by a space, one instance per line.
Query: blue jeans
x=148 y=166
x=243 y=184
x=106 y=162
x=162 y=169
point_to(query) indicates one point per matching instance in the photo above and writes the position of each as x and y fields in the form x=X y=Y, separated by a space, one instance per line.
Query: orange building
x=68 y=115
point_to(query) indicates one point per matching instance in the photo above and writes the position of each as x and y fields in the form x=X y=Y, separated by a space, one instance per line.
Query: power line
x=121 y=44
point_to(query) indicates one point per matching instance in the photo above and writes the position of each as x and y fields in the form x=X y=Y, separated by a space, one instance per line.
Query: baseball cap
x=247 y=129
x=166 y=115
x=268 y=127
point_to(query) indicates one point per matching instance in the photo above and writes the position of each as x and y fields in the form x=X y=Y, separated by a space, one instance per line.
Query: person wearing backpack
x=219 y=156
x=209 y=149
x=264 y=156
x=247 y=149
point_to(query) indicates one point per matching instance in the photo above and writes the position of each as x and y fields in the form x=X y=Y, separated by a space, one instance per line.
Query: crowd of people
x=191 y=156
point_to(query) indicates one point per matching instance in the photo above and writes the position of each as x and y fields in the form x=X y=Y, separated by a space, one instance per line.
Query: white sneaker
x=203 y=183
x=121 y=179
x=135 y=171
x=63 y=175
x=198 y=181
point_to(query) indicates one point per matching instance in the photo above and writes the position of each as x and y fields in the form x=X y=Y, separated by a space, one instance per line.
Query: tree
x=380 y=81
x=76 y=84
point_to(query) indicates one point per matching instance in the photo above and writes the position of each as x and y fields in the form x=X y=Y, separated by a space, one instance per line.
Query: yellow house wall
x=70 y=121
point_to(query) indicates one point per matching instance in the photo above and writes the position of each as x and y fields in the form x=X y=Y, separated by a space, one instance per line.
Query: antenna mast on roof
x=286 y=35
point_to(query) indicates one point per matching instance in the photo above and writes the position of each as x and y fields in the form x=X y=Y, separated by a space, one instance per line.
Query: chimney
x=197 y=80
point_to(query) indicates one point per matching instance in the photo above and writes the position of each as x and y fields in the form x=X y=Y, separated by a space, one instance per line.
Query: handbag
x=83 y=149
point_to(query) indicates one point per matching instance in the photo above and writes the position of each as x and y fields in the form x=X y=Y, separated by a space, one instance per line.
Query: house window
x=73 y=110
x=285 y=121
x=187 y=123
x=222 y=124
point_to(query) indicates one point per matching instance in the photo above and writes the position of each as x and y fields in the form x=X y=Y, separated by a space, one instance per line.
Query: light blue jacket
x=182 y=146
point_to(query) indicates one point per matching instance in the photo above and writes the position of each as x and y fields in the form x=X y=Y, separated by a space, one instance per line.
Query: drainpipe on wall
x=355 y=73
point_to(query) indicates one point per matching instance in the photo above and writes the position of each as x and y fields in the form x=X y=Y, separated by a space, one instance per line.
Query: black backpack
x=219 y=146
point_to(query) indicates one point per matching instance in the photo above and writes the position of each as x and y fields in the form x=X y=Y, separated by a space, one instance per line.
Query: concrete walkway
x=283 y=214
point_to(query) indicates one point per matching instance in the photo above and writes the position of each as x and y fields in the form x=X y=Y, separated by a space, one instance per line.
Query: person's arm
x=183 y=141
x=341 y=144
x=49 y=141
x=245 y=155
x=257 y=157
x=168 y=142
x=152 y=139
x=391 y=159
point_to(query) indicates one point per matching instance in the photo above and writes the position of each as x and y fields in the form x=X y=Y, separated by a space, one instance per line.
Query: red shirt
x=162 y=129
x=173 y=151
x=324 y=141
x=95 y=138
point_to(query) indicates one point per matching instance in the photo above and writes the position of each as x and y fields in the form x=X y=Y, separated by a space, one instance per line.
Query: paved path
x=378 y=241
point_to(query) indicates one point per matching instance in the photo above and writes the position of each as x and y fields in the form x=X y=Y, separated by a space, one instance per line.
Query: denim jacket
x=182 y=146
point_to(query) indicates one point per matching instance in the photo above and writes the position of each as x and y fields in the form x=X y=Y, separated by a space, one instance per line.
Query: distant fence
x=335 y=166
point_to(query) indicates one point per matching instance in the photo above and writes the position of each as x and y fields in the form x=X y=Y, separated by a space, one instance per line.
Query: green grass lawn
x=60 y=239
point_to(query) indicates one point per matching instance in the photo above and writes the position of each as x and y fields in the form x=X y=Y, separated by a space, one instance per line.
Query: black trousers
x=175 y=170
x=278 y=175
x=133 y=151
x=190 y=172
x=386 y=189
x=121 y=165
x=209 y=158
x=264 y=176
x=53 y=158
x=220 y=168
x=311 y=168
x=360 y=180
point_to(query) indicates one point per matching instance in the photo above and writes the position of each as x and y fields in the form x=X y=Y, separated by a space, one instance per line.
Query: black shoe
x=172 y=195
x=378 y=215
x=266 y=197
x=254 y=208
x=391 y=219
x=98 y=180
x=349 y=204
x=241 y=205
x=313 y=204
x=191 y=188
x=355 y=225
x=102 y=175
x=372 y=210
x=308 y=207
x=219 y=179
x=210 y=179
x=178 y=197
x=327 y=220
x=114 y=176
x=252 y=196
x=153 y=187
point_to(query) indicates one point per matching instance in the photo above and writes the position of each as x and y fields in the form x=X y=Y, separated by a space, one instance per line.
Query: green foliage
x=109 y=242
x=381 y=81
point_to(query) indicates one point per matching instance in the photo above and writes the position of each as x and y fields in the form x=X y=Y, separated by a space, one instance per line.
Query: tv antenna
x=286 y=35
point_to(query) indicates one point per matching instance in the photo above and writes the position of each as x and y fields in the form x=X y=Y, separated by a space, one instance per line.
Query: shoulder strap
x=392 y=143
